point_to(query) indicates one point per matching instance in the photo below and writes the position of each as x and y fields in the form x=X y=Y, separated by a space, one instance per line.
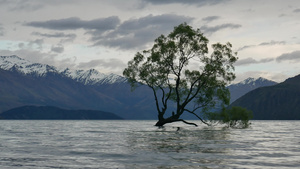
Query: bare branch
x=188 y=122
x=156 y=100
x=198 y=90
x=163 y=95
x=192 y=87
x=197 y=116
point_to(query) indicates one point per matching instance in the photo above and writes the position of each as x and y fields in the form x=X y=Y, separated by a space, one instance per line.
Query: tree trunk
x=162 y=122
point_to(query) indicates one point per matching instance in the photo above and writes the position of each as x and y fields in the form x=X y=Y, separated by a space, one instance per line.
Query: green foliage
x=235 y=117
x=165 y=69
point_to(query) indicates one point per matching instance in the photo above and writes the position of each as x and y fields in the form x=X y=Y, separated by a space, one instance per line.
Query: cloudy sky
x=105 y=34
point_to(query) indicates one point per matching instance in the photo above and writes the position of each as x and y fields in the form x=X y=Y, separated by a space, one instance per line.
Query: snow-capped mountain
x=24 y=83
x=256 y=82
x=93 y=77
x=87 y=77
x=245 y=86
x=14 y=63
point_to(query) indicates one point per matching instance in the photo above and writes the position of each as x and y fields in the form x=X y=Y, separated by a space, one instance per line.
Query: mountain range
x=277 y=102
x=245 y=86
x=87 y=77
x=25 y=83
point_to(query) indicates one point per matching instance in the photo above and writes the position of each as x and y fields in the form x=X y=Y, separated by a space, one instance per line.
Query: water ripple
x=138 y=144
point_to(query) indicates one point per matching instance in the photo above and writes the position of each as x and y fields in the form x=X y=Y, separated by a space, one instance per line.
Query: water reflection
x=184 y=148
x=204 y=140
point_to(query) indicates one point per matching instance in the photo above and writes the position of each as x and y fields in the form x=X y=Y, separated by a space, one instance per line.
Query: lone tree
x=193 y=89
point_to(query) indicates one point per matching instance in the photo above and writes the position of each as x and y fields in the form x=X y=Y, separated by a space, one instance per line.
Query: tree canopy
x=180 y=70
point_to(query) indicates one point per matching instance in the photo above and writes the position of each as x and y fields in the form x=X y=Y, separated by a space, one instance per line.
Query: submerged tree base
x=161 y=123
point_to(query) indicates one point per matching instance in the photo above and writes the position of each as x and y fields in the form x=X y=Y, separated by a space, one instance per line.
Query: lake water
x=138 y=144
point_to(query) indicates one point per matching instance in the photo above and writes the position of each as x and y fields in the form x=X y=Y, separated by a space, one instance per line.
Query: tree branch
x=163 y=95
x=191 y=88
x=177 y=92
x=187 y=122
x=165 y=99
x=197 y=116
x=156 y=101
x=196 y=93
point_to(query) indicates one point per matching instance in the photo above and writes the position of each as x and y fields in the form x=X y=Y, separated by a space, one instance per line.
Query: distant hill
x=278 y=102
x=54 y=113
x=247 y=85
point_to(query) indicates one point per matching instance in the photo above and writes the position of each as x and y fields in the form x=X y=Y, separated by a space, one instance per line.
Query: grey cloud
x=65 y=37
x=32 y=45
x=246 y=61
x=55 y=35
x=1 y=30
x=210 y=30
x=21 y=5
x=57 y=49
x=282 y=15
x=102 y=63
x=210 y=18
x=249 y=61
x=73 y=23
x=186 y=2
x=296 y=10
x=21 y=45
x=266 y=60
x=292 y=57
x=272 y=42
x=33 y=5
x=27 y=6
x=136 y=33
x=110 y=32
x=246 y=47
x=155 y=21
x=38 y=42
